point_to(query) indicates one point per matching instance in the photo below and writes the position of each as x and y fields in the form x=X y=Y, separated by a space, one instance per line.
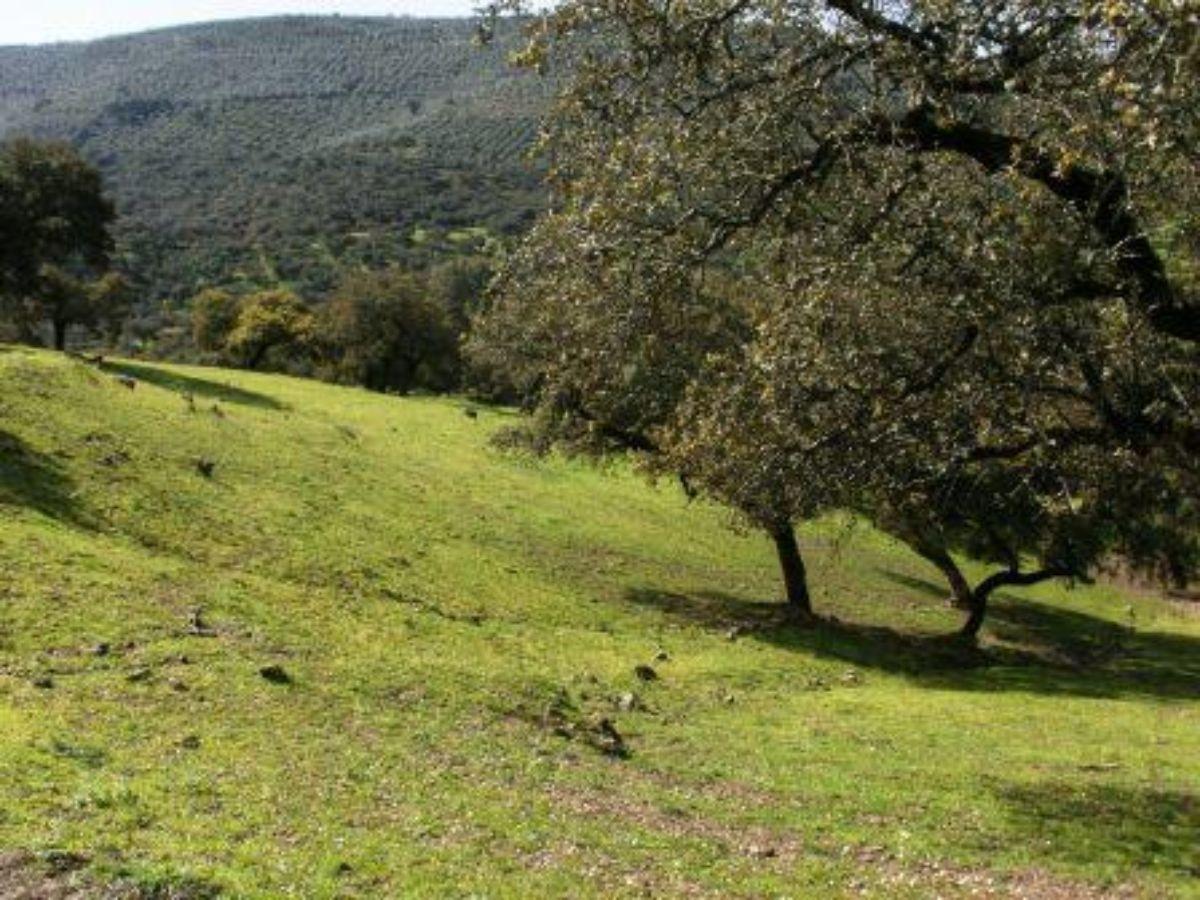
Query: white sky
x=46 y=21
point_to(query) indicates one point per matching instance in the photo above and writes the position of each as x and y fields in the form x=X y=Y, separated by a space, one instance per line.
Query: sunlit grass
x=456 y=624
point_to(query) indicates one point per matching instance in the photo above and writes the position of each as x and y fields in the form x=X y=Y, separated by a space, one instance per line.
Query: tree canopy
x=54 y=231
x=948 y=250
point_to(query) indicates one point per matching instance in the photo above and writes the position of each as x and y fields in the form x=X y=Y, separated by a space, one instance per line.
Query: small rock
x=851 y=677
x=645 y=673
x=609 y=740
x=471 y=413
x=343 y=868
x=760 y=852
x=44 y=682
x=206 y=467
x=61 y=862
x=734 y=633
x=197 y=627
x=101 y=649
x=177 y=685
x=629 y=702
x=137 y=675
x=275 y=675
x=662 y=656
x=191 y=742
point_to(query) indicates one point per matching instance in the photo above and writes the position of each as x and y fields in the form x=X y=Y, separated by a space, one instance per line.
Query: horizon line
x=119 y=35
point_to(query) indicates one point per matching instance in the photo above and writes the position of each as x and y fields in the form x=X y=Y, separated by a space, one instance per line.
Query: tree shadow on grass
x=36 y=481
x=1043 y=649
x=918 y=585
x=200 y=387
x=1081 y=821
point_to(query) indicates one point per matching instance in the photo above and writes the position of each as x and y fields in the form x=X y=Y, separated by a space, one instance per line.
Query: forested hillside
x=275 y=149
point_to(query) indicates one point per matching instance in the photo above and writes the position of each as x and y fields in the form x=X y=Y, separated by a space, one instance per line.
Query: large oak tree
x=964 y=235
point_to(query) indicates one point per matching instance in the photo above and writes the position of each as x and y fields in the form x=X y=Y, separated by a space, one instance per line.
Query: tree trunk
x=960 y=590
x=795 y=579
x=60 y=335
x=977 y=604
x=257 y=356
x=1010 y=578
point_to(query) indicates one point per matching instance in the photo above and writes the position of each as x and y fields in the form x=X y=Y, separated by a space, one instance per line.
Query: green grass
x=456 y=623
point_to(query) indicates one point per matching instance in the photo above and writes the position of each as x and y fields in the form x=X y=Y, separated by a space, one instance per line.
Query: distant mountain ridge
x=286 y=148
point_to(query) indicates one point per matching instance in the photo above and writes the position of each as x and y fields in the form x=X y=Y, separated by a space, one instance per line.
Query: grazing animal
x=206 y=467
x=126 y=381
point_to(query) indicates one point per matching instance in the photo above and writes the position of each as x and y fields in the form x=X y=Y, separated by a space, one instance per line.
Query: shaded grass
x=36 y=480
x=1125 y=827
x=208 y=388
x=1036 y=647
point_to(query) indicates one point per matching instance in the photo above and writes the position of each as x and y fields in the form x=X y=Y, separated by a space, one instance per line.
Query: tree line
x=389 y=329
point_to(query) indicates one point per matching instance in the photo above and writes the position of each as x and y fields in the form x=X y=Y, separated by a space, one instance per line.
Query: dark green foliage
x=274 y=322
x=53 y=211
x=214 y=313
x=284 y=150
x=54 y=239
x=394 y=330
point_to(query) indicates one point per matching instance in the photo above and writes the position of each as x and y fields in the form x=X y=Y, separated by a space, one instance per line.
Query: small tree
x=271 y=321
x=388 y=331
x=65 y=301
x=214 y=314
x=54 y=237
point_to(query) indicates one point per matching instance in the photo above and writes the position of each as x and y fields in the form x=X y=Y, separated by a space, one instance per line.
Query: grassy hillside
x=275 y=148
x=456 y=626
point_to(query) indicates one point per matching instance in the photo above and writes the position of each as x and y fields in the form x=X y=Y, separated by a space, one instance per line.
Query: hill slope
x=275 y=147
x=457 y=625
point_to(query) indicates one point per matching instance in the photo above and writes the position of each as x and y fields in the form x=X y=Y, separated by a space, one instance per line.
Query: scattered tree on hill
x=297 y=168
x=272 y=321
x=387 y=330
x=604 y=349
x=459 y=286
x=970 y=229
x=65 y=300
x=54 y=239
x=999 y=448
x=214 y=314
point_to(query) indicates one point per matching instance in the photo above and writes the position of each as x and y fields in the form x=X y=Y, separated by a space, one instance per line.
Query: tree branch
x=1100 y=197
x=1016 y=578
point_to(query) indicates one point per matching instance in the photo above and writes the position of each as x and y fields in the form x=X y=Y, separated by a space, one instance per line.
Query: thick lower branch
x=960 y=588
x=1100 y=197
x=1006 y=578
